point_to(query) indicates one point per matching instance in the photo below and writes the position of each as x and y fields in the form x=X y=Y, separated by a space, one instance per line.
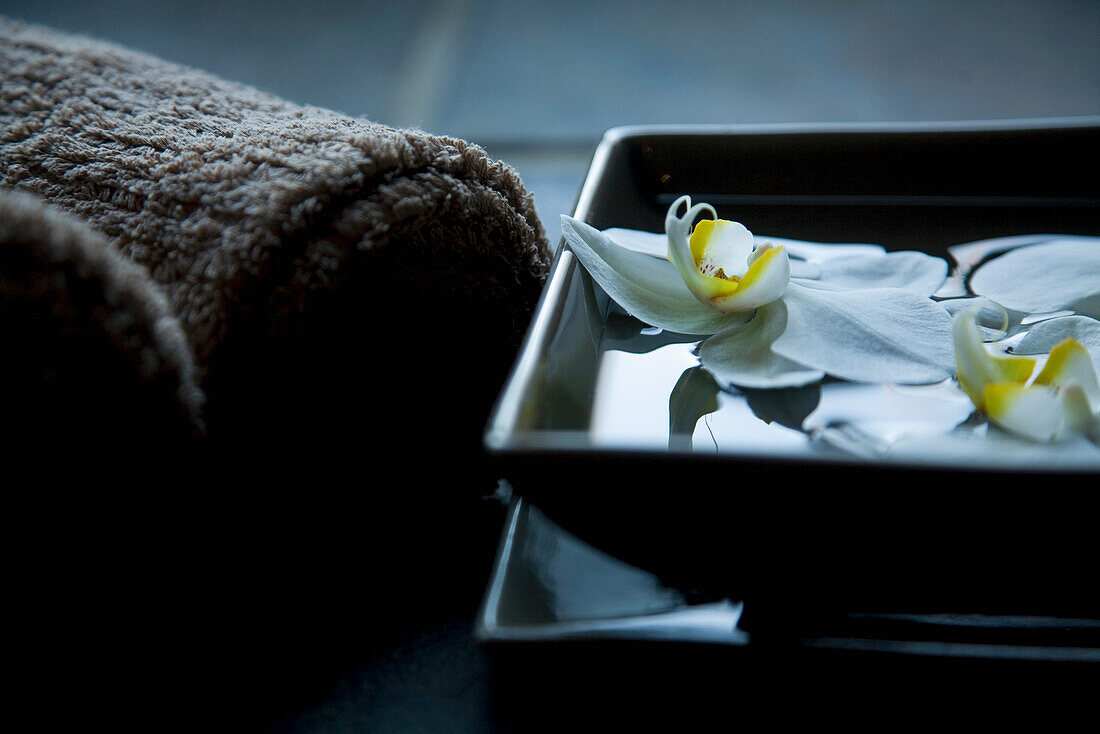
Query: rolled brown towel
x=91 y=347
x=324 y=268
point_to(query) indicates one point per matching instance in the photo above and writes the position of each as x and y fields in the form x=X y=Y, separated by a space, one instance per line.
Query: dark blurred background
x=537 y=82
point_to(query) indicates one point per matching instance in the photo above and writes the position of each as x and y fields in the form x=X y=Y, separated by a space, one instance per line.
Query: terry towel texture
x=89 y=341
x=301 y=252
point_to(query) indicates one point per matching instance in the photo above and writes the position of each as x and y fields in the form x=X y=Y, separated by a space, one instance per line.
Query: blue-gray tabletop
x=538 y=82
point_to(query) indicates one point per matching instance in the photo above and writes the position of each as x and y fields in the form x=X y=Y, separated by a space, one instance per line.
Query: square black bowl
x=965 y=529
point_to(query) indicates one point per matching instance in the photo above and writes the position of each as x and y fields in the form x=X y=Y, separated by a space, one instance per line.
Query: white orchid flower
x=1063 y=399
x=782 y=313
x=719 y=263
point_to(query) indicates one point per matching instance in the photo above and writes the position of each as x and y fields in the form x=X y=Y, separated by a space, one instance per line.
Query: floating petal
x=1069 y=364
x=1042 y=278
x=1063 y=398
x=822 y=251
x=1031 y=412
x=1079 y=414
x=912 y=271
x=880 y=335
x=1045 y=335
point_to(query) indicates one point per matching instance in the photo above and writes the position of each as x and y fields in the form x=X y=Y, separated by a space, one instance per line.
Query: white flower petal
x=748 y=286
x=911 y=271
x=742 y=355
x=1078 y=413
x=1089 y=306
x=678 y=228
x=820 y=251
x=1069 y=364
x=648 y=288
x=1031 y=412
x=1061 y=400
x=651 y=243
x=724 y=245
x=806 y=258
x=765 y=282
x=990 y=317
x=805 y=269
x=1045 y=335
x=881 y=335
x=976 y=367
x=970 y=254
x=1050 y=276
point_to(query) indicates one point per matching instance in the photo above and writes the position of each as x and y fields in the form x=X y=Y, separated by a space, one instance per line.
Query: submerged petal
x=742 y=355
x=694 y=395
